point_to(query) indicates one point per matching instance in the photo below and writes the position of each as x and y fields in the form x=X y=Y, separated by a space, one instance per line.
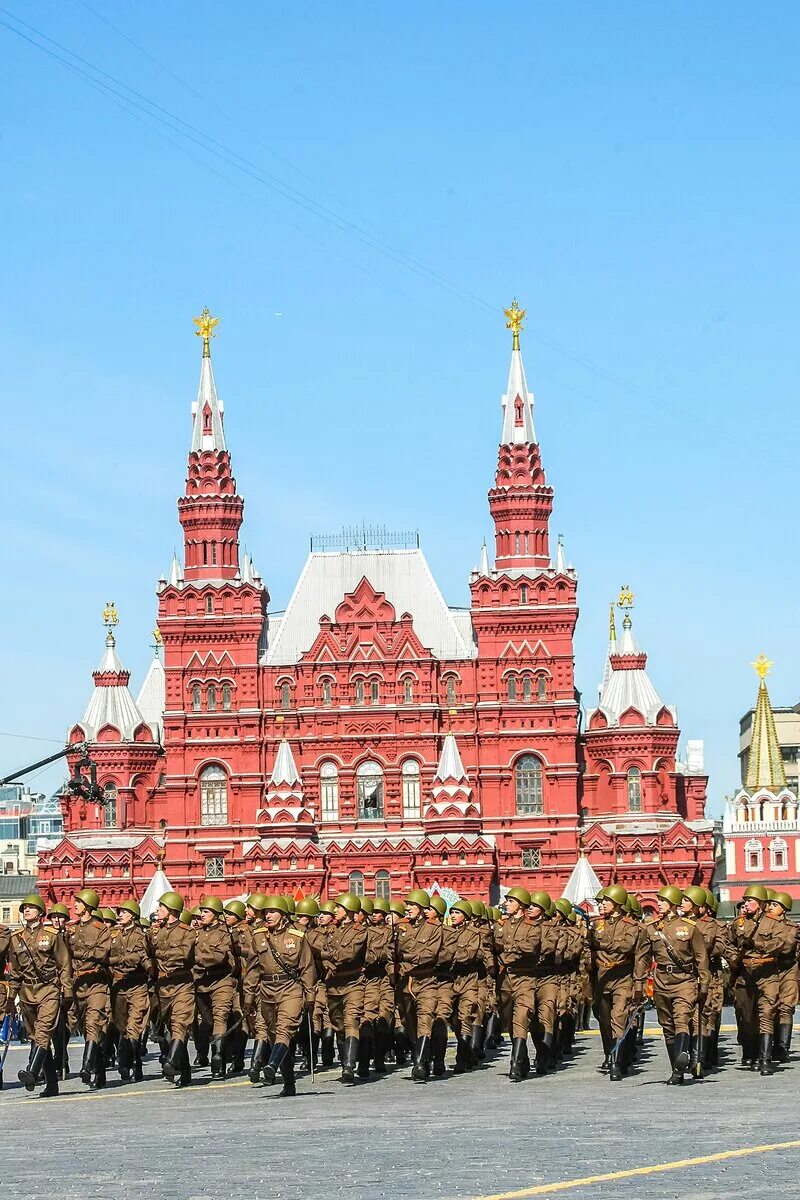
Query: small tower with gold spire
x=765 y=767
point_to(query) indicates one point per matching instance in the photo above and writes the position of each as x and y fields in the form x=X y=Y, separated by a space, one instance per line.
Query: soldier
x=778 y=907
x=619 y=968
x=215 y=980
x=320 y=1019
x=518 y=945
x=253 y=1017
x=172 y=945
x=236 y=1041
x=466 y=958
x=571 y=954
x=344 y=955
x=90 y=947
x=286 y=988
x=542 y=914
x=5 y=943
x=399 y=1043
x=58 y=916
x=419 y=946
x=744 y=991
x=695 y=907
x=305 y=915
x=681 y=976
x=434 y=915
x=384 y=991
x=131 y=972
x=378 y=948
x=40 y=975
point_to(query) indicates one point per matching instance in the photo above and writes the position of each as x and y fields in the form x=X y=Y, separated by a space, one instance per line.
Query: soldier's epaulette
x=296 y=929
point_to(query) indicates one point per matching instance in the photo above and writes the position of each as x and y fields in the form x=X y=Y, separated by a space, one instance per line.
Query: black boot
x=476 y=1043
x=276 y=1057
x=463 y=1059
x=680 y=1058
x=172 y=1061
x=615 y=1064
x=218 y=1058
x=287 y=1074
x=402 y=1048
x=124 y=1060
x=519 y=1053
x=179 y=1057
x=764 y=1054
x=491 y=1041
x=544 y=1054
x=380 y=1046
x=422 y=1054
x=98 y=1080
x=327 y=1048
x=90 y=1052
x=258 y=1061
x=349 y=1060
x=782 y=1044
x=136 y=1059
x=50 y=1078
x=364 y=1051
x=202 y=1042
x=438 y=1048
x=29 y=1076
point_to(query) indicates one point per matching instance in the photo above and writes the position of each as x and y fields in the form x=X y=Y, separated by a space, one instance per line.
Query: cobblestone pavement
x=457 y=1138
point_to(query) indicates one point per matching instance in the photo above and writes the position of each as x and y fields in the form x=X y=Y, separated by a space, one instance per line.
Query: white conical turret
x=561 y=562
x=175 y=578
x=284 y=773
x=518 y=401
x=111 y=704
x=450 y=768
x=208 y=411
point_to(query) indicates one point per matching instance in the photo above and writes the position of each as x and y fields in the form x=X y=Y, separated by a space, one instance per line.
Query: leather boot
x=50 y=1078
x=327 y=1048
x=764 y=1054
x=136 y=1059
x=233 y=1051
x=680 y=1058
x=380 y=1046
x=172 y=1062
x=780 y=1049
x=476 y=1043
x=218 y=1058
x=615 y=1064
x=259 y=1060
x=90 y=1052
x=491 y=1040
x=349 y=1060
x=287 y=1074
x=276 y=1057
x=438 y=1048
x=462 y=1062
x=202 y=1042
x=29 y=1076
x=98 y=1080
x=364 y=1050
x=402 y=1047
x=519 y=1052
x=544 y=1054
x=124 y=1060
x=422 y=1053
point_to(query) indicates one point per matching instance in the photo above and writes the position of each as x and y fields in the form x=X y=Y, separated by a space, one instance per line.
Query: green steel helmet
x=212 y=903
x=495 y=913
x=186 y=916
x=542 y=900
x=397 y=907
x=417 y=896
x=380 y=905
x=521 y=895
x=290 y=905
x=770 y=894
x=172 y=901
x=277 y=904
x=132 y=906
x=438 y=905
x=307 y=908
x=784 y=899
x=572 y=916
x=563 y=906
x=670 y=893
x=257 y=901
x=478 y=909
x=58 y=910
x=551 y=908
x=33 y=900
x=711 y=900
x=349 y=902
x=367 y=905
x=236 y=909
x=601 y=895
x=634 y=907
x=106 y=914
x=697 y=895
x=194 y=911
x=329 y=907
x=462 y=906
x=756 y=891
x=617 y=894
x=89 y=897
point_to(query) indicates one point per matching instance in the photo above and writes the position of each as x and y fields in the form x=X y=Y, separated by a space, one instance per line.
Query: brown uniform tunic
x=714 y=934
x=418 y=949
x=131 y=972
x=518 y=949
x=316 y=939
x=90 y=946
x=620 y=959
x=378 y=996
x=172 y=947
x=344 y=955
x=467 y=952
x=765 y=952
x=253 y=1017
x=40 y=976
x=287 y=980
x=214 y=976
x=681 y=973
x=547 y=977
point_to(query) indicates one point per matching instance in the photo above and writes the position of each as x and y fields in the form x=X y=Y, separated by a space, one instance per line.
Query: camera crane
x=78 y=784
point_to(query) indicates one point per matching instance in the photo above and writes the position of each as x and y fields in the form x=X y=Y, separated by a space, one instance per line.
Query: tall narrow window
x=383 y=885
x=359 y=691
x=110 y=806
x=329 y=791
x=516 y=543
x=226 y=697
x=512 y=688
x=526 y=543
x=451 y=690
x=541 y=688
x=370 y=792
x=527 y=689
x=634 y=790
x=195 y=697
x=374 y=691
x=778 y=850
x=753 y=856
x=213 y=554
x=326 y=691
x=523 y=593
x=408 y=691
x=356 y=883
x=411 y=795
x=286 y=696
x=209 y=603
x=528 y=786
x=213 y=796
x=211 y=698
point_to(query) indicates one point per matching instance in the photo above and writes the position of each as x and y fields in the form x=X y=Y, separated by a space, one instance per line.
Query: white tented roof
x=582 y=884
x=111 y=704
x=523 y=432
x=156 y=888
x=207 y=396
x=152 y=697
x=624 y=688
x=405 y=578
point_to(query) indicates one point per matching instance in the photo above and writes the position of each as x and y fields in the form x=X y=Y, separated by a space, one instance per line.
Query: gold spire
x=612 y=628
x=206 y=329
x=765 y=767
x=110 y=618
x=514 y=318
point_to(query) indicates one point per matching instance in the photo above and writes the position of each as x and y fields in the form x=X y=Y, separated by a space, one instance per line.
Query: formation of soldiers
x=376 y=982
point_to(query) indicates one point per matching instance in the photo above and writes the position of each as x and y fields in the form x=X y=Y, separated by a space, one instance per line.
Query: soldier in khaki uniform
x=378 y=938
x=399 y=1040
x=40 y=976
x=695 y=907
x=778 y=907
x=172 y=946
x=90 y=947
x=466 y=956
x=384 y=991
x=320 y=1022
x=419 y=946
x=287 y=980
x=681 y=976
x=518 y=949
x=434 y=915
x=619 y=967
x=344 y=955
x=131 y=972
x=58 y=916
x=253 y=1018
x=215 y=980
x=546 y=977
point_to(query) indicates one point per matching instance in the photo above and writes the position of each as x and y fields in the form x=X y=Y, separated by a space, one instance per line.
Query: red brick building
x=369 y=735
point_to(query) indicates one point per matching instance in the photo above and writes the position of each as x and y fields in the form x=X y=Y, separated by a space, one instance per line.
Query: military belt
x=460 y=969
x=176 y=977
x=96 y=975
x=279 y=977
x=675 y=970
x=756 y=960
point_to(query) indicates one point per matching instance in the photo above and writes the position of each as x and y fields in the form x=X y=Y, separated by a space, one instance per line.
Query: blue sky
x=387 y=177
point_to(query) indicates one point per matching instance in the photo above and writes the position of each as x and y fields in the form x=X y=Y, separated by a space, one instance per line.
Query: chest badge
x=43 y=943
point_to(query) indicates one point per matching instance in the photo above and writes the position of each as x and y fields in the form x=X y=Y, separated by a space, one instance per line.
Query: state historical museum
x=369 y=736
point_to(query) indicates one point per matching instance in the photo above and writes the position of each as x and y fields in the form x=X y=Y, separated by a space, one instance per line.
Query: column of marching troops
x=376 y=982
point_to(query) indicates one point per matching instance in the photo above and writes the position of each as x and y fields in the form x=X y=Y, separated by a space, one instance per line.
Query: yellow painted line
x=544 y=1189
x=125 y=1093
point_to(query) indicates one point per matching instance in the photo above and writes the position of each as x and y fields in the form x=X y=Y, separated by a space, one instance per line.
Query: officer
x=681 y=976
x=778 y=907
x=344 y=956
x=518 y=947
x=172 y=946
x=619 y=968
x=286 y=988
x=215 y=980
x=40 y=976
x=466 y=957
x=131 y=971
x=90 y=947
x=419 y=945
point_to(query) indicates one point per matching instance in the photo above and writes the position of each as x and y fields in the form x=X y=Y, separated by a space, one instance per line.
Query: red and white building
x=369 y=735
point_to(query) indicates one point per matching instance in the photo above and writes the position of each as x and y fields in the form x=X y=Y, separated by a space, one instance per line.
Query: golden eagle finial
x=762 y=666
x=110 y=618
x=206 y=329
x=514 y=318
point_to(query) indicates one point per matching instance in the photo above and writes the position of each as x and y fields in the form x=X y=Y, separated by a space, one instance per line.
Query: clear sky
x=358 y=189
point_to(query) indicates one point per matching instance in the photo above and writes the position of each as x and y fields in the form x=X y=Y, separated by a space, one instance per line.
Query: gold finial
x=206 y=329
x=625 y=597
x=157 y=640
x=762 y=666
x=612 y=627
x=514 y=318
x=110 y=618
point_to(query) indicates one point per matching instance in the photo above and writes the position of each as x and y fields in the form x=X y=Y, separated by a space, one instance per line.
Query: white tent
x=582 y=884
x=155 y=890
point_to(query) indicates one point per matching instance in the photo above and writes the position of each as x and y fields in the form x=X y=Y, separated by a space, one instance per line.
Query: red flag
x=299 y=895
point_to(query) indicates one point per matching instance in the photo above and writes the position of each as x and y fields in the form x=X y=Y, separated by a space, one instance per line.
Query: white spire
x=483 y=565
x=175 y=579
x=285 y=771
x=111 y=703
x=582 y=884
x=517 y=406
x=561 y=562
x=207 y=412
x=151 y=700
x=247 y=574
x=450 y=764
x=626 y=683
x=156 y=888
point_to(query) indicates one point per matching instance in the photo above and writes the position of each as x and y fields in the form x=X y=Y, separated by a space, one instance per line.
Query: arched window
x=451 y=689
x=211 y=698
x=213 y=796
x=527 y=689
x=516 y=543
x=634 y=790
x=778 y=852
x=408 y=691
x=326 y=691
x=226 y=697
x=410 y=773
x=528 y=786
x=370 y=792
x=541 y=688
x=286 y=696
x=356 y=883
x=110 y=806
x=523 y=591
x=512 y=688
x=374 y=691
x=753 y=856
x=329 y=791
x=383 y=885
x=195 y=697
x=209 y=600
x=359 y=691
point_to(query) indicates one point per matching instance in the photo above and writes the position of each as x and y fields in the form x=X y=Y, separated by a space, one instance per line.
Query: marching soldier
x=466 y=957
x=58 y=916
x=434 y=914
x=545 y=977
x=131 y=972
x=384 y=991
x=695 y=907
x=619 y=967
x=90 y=947
x=215 y=981
x=399 y=1042
x=172 y=945
x=40 y=976
x=378 y=945
x=518 y=945
x=286 y=988
x=779 y=906
x=253 y=1017
x=419 y=946
x=317 y=937
x=344 y=955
